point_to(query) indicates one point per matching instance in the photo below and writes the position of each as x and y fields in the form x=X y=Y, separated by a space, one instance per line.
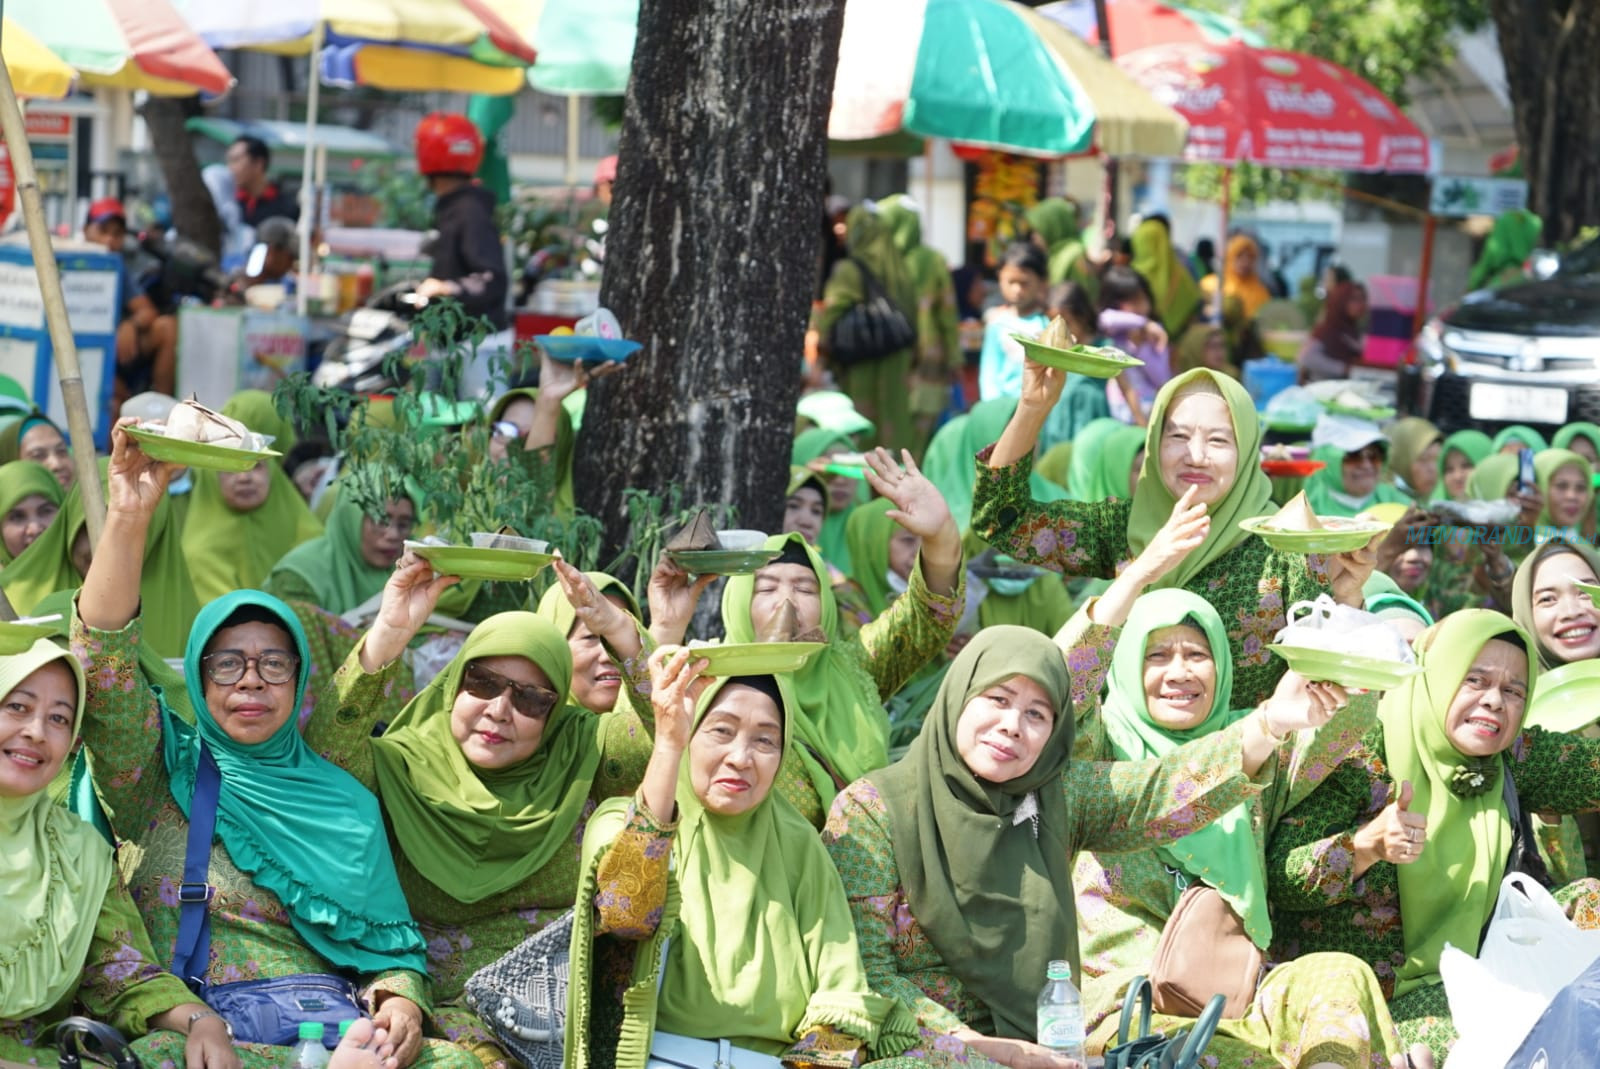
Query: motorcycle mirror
x=1544 y=263
x=257 y=263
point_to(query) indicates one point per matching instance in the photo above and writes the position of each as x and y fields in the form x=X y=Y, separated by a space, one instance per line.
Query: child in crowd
x=1127 y=317
x=1024 y=287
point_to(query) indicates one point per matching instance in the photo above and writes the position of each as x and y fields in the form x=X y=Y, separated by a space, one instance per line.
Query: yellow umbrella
x=35 y=70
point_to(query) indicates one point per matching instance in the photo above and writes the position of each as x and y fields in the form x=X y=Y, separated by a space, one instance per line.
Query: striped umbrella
x=125 y=44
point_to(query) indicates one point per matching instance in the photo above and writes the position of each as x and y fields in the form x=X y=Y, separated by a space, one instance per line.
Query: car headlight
x=1432 y=354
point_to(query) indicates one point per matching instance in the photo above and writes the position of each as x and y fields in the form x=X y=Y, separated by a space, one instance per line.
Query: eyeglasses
x=1370 y=455
x=532 y=701
x=508 y=430
x=227 y=668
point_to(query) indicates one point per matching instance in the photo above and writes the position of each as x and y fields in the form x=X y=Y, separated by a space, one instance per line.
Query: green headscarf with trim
x=333 y=564
x=20 y=480
x=1226 y=854
x=993 y=895
x=55 y=877
x=229 y=550
x=1448 y=893
x=839 y=723
x=1517 y=432
x=763 y=949
x=256 y=410
x=476 y=832
x=1102 y=460
x=303 y=828
x=1474 y=445
x=1248 y=497
x=566 y=441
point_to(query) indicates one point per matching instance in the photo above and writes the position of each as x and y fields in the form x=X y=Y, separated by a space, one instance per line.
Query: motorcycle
x=358 y=357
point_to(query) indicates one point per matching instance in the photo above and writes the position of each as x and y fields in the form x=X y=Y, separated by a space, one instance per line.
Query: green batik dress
x=123 y=984
x=1115 y=808
x=464 y=937
x=1252 y=585
x=1319 y=905
x=1319 y=1008
x=252 y=934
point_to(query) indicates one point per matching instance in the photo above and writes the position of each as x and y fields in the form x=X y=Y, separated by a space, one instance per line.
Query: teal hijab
x=1225 y=854
x=303 y=828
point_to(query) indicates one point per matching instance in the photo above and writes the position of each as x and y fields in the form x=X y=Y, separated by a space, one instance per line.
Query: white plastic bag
x=1530 y=952
x=1324 y=624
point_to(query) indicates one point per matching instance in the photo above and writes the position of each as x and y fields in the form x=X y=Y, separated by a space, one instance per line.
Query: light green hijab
x=230 y=550
x=1249 y=496
x=809 y=445
x=1522 y=589
x=868 y=534
x=1409 y=438
x=20 y=480
x=994 y=895
x=1102 y=460
x=1529 y=437
x=303 y=828
x=55 y=877
x=1562 y=439
x=869 y=240
x=476 y=832
x=1447 y=893
x=1545 y=465
x=1474 y=445
x=763 y=948
x=333 y=564
x=839 y=725
x=1492 y=478
x=1177 y=295
x=1225 y=855
x=1325 y=488
x=554 y=607
x=950 y=462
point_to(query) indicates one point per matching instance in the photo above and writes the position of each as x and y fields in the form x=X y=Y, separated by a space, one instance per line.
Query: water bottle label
x=1060 y=1030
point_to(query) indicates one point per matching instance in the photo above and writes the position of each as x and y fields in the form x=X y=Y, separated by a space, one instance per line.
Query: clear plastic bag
x=1324 y=624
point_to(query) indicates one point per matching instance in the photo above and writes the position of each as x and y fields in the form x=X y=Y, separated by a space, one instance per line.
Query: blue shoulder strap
x=192 y=953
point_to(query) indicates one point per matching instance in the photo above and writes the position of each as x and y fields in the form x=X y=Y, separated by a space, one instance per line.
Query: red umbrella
x=1279 y=109
x=1136 y=24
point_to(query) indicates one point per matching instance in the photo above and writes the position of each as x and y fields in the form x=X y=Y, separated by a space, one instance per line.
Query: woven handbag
x=1154 y=1050
x=523 y=996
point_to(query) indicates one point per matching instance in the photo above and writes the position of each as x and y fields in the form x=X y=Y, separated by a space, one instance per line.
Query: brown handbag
x=1204 y=951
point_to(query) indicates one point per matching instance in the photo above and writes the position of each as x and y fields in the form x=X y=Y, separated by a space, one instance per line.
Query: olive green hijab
x=1545 y=465
x=20 y=480
x=1522 y=590
x=1248 y=497
x=994 y=894
x=333 y=564
x=1492 y=478
x=869 y=240
x=12 y=430
x=229 y=550
x=1409 y=438
x=1448 y=893
x=1177 y=295
x=475 y=832
x=1102 y=460
x=1055 y=221
x=868 y=534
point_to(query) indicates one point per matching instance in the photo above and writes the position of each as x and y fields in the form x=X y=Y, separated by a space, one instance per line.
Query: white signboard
x=1454 y=195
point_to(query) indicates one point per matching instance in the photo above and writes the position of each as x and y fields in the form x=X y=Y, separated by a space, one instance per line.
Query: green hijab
x=1511 y=241
x=566 y=442
x=1529 y=437
x=256 y=410
x=1055 y=221
x=1325 y=488
x=839 y=723
x=230 y=550
x=555 y=607
x=868 y=534
x=1545 y=465
x=333 y=564
x=763 y=948
x=994 y=895
x=56 y=873
x=12 y=430
x=475 y=832
x=809 y=445
x=1225 y=855
x=1177 y=295
x=1055 y=465
x=1249 y=496
x=1474 y=445
x=1381 y=593
x=950 y=459
x=303 y=828
x=20 y=480
x=1492 y=478
x=1522 y=590
x=1563 y=438
x=1447 y=893
x=1409 y=438
x=166 y=592
x=1102 y=460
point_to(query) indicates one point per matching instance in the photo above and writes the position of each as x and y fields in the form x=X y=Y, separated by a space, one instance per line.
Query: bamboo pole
x=64 y=351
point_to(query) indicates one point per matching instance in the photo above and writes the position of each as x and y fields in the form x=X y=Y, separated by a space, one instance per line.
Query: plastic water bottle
x=309 y=1053
x=1060 y=1018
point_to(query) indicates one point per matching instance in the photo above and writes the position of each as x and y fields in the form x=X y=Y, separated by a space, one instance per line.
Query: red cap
x=605 y=170
x=448 y=143
x=107 y=208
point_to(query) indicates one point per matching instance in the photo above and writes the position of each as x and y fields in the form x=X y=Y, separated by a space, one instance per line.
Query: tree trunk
x=1549 y=49
x=711 y=254
x=193 y=213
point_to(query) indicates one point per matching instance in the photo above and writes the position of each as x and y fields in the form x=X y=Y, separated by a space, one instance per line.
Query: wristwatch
x=198 y=1015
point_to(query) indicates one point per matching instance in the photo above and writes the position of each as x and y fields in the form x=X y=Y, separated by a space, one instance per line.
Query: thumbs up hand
x=1396 y=835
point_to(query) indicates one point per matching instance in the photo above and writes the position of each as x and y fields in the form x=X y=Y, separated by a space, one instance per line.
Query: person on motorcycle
x=147 y=335
x=468 y=262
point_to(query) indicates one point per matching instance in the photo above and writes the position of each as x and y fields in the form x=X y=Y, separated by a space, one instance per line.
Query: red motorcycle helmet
x=448 y=143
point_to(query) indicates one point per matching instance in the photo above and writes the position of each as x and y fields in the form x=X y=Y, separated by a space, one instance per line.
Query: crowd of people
x=1044 y=707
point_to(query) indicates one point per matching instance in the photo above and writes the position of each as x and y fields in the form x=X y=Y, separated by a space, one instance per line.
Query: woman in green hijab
x=1510 y=242
x=1176 y=293
x=1402 y=849
x=486 y=778
x=535 y=433
x=597 y=679
x=1103 y=461
x=717 y=902
x=74 y=941
x=1566 y=485
x=1581 y=438
x=843 y=492
x=1460 y=453
x=30 y=498
x=33 y=437
x=347 y=566
x=949 y=459
x=1204 y=439
x=957 y=859
x=878 y=387
x=1166 y=688
x=1415 y=449
x=256 y=410
x=304 y=882
x=240 y=525
x=939 y=358
x=1515 y=438
x=1057 y=228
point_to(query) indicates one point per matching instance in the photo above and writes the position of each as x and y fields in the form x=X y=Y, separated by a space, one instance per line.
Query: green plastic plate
x=19 y=638
x=1096 y=361
x=1568 y=698
x=756 y=658
x=722 y=561
x=1376 y=414
x=198 y=454
x=1347 y=670
x=469 y=562
x=1341 y=535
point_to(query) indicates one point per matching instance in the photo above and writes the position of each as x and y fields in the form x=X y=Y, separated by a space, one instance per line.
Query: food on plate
x=191 y=421
x=699 y=534
x=1296 y=515
x=1327 y=625
x=1058 y=335
x=785 y=627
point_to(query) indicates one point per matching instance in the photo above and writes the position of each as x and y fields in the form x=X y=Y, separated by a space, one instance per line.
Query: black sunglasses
x=531 y=700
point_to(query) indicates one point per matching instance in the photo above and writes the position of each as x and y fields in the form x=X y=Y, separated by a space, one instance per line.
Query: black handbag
x=872 y=329
x=1156 y=1050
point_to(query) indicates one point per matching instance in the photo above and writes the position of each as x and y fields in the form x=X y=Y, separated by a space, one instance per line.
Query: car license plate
x=1518 y=404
